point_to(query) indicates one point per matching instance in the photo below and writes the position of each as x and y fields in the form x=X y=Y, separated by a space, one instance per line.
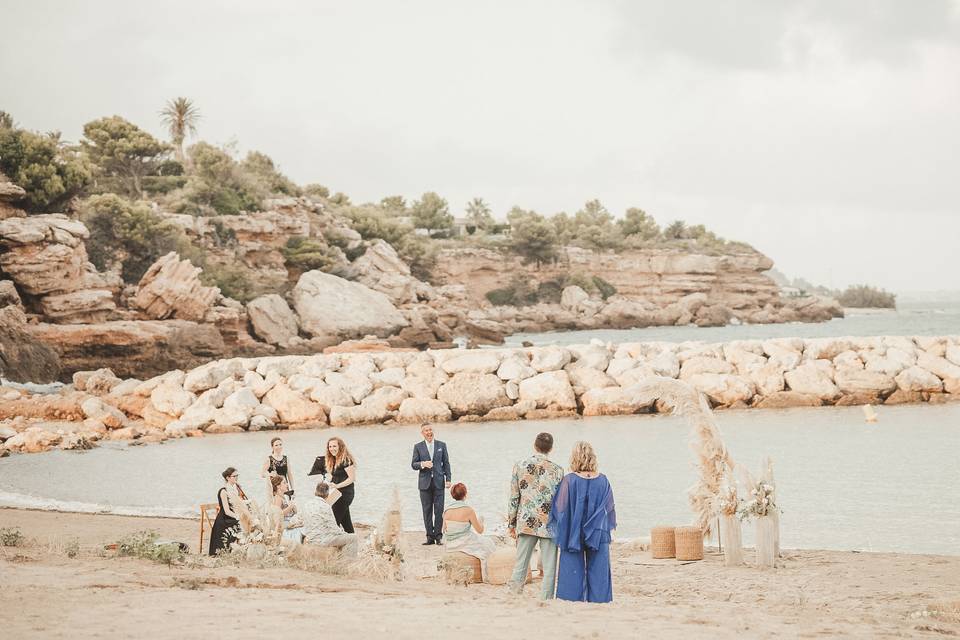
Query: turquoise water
x=843 y=484
x=916 y=319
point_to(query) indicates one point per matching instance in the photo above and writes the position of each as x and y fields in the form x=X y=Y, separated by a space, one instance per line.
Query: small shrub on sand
x=143 y=544
x=11 y=537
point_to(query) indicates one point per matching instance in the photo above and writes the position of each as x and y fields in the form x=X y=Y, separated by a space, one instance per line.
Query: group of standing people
x=568 y=516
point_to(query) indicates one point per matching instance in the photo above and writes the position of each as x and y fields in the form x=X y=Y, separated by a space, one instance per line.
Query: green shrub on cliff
x=129 y=234
x=603 y=287
x=260 y=167
x=307 y=254
x=49 y=171
x=864 y=296
x=218 y=184
x=233 y=280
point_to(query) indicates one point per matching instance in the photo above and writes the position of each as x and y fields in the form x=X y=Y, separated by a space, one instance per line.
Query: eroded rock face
x=331 y=306
x=129 y=348
x=171 y=288
x=272 y=319
x=473 y=393
x=24 y=358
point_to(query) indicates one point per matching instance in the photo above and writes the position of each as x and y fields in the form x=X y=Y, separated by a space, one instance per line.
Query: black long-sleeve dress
x=225 y=528
x=341 y=508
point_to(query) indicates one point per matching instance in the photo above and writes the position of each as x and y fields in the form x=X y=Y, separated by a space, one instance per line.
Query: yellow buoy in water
x=869 y=414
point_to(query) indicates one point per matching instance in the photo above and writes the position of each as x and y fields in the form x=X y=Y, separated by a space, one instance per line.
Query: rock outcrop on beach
x=23 y=358
x=383 y=386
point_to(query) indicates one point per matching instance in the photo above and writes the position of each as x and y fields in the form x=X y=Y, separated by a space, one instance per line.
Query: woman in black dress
x=343 y=473
x=227 y=525
x=276 y=464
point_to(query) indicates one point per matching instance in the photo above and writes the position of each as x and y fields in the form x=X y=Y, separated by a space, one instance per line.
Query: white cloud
x=825 y=133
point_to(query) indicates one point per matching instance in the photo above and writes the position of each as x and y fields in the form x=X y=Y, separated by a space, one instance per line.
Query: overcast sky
x=825 y=133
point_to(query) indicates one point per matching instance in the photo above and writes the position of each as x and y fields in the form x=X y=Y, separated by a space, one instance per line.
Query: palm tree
x=180 y=116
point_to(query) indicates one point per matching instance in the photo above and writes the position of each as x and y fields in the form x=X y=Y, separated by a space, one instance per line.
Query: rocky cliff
x=172 y=318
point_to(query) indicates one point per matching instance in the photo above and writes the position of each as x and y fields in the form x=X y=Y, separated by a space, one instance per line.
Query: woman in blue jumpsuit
x=581 y=519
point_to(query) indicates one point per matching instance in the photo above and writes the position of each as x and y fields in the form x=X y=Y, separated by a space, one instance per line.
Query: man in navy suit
x=432 y=460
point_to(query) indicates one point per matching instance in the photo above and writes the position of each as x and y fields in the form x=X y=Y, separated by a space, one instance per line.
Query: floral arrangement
x=728 y=502
x=763 y=494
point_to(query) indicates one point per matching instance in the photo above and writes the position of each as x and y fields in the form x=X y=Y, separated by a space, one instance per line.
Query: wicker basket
x=461 y=568
x=689 y=541
x=662 y=542
x=500 y=565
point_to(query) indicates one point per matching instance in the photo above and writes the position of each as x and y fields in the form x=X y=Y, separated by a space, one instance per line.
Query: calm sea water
x=843 y=484
x=911 y=319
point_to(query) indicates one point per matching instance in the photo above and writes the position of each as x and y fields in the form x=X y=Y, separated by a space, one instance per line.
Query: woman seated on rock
x=291 y=526
x=463 y=528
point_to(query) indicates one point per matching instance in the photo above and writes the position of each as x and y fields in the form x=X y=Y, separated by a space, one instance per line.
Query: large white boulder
x=549 y=390
x=722 y=388
x=811 y=379
x=473 y=393
x=917 y=378
x=549 y=358
x=698 y=365
x=272 y=319
x=515 y=367
x=941 y=367
x=475 y=361
x=850 y=380
x=423 y=410
x=292 y=408
x=213 y=373
x=615 y=401
x=584 y=378
x=331 y=306
x=572 y=297
x=171 y=399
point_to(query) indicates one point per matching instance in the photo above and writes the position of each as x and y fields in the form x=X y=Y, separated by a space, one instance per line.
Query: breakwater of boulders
x=346 y=389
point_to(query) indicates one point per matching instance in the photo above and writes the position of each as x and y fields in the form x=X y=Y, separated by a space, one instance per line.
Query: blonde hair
x=583 y=459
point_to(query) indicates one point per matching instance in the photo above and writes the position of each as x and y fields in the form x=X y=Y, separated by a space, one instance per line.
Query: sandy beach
x=814 y=594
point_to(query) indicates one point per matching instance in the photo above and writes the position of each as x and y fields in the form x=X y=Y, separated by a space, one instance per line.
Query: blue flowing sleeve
x=563 y=525
x=601 y=516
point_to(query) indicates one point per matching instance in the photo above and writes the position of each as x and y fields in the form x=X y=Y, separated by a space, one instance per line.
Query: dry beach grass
x=47 y=593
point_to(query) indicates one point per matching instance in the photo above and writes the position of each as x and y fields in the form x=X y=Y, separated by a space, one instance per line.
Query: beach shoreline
x=837 y=594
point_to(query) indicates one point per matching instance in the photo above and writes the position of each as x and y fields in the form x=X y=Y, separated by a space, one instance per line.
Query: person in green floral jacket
x=534 y=482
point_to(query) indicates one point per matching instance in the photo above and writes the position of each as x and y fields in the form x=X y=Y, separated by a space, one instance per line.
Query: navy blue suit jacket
x=440 y=472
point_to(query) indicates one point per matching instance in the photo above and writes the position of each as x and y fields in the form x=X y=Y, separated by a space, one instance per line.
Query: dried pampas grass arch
x=713 y=460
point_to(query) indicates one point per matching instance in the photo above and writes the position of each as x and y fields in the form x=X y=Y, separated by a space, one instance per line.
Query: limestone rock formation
x=130 y=348
x=272 y=319
x=171 y=288
x=381 y=269
x=23 y=358
x=331 y=306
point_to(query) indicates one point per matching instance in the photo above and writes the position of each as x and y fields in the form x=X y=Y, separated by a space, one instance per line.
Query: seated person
x=463 y=528
x=290 y=525
x=320 y=525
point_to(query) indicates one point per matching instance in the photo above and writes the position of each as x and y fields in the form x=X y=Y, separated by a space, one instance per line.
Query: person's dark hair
x=275 y=483
x=543 y=443
x=273 y=440
x=323 y=490
x=229 y=471
x=458 y=491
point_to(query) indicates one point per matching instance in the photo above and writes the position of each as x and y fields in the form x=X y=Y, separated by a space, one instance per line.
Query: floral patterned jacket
x=535 y=480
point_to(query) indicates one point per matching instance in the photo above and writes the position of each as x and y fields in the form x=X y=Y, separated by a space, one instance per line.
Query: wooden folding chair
x=208 y=513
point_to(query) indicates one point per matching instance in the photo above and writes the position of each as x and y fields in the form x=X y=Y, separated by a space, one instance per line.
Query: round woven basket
x=662 y=542
x=500 y=565
x=461 y=568
x=689 y=541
